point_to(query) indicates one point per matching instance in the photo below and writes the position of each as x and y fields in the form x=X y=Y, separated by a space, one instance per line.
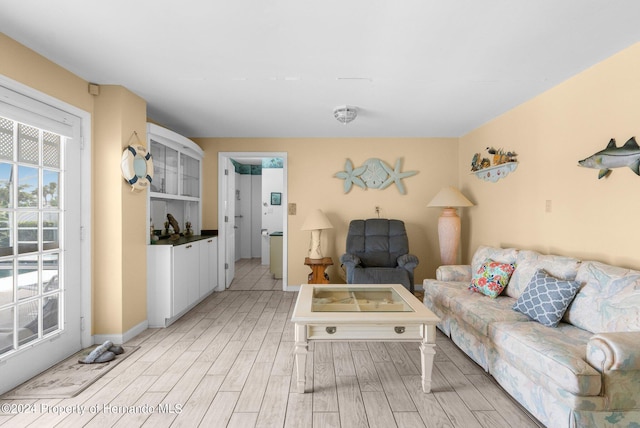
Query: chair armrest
x=408 y=261
x=351 y=260
x=459 y=273
x=614 y=351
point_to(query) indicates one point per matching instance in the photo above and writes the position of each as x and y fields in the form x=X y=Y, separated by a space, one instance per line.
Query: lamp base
x=449 y=236
x=314 y=247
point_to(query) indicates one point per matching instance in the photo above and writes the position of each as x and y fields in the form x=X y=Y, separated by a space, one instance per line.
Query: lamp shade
x=316 y=220
x=450 y=197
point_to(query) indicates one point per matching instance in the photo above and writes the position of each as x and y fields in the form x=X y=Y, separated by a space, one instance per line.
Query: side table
x=318 y=266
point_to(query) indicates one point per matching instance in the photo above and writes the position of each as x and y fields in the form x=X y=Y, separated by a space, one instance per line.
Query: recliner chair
x=378 y=253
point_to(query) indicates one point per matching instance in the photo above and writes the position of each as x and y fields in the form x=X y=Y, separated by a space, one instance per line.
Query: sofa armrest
x=614 y=351
x=408 y=261
x=459 y=273
x=350 y=260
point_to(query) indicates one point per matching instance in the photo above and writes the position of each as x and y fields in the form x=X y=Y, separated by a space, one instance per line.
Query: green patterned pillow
x=491 y=278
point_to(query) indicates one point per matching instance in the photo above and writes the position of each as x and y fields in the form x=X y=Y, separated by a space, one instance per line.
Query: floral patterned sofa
x=584 y=372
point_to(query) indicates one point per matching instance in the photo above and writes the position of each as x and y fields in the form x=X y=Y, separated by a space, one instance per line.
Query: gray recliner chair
x=378 y=253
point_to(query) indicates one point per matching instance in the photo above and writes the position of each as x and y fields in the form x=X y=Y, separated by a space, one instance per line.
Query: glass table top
x=346 y=299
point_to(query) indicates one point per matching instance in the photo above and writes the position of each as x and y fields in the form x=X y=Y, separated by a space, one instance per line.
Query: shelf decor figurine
x=176 y=228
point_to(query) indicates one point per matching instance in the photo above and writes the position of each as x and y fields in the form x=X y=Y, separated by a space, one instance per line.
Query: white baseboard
x=119 y=339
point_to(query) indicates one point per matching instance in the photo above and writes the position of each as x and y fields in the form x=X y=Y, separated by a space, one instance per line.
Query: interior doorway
x=251 y=210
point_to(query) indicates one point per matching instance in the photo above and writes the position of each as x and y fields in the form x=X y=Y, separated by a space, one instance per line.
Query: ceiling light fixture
x=345 y=114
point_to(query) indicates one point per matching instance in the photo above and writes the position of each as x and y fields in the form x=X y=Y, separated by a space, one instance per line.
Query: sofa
x=582 y=372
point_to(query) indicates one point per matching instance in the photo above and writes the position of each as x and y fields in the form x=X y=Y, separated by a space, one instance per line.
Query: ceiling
x=242 y=68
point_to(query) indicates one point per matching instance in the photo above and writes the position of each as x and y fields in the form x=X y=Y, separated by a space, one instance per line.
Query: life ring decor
x=137 y=167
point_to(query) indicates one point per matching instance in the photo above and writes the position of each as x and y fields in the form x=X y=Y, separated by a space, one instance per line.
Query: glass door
x=189 y=176
x=165 y=169
x=31 y=220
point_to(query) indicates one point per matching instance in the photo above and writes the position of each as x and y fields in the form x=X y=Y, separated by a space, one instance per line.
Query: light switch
x=292 y=209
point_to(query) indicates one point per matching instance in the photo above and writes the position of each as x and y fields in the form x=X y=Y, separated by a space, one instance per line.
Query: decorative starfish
x=395 y=176
x=350 y=176
x=375 y=173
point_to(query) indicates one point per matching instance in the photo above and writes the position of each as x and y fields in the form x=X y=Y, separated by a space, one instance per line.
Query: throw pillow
x=546 y=298
x=491 y=278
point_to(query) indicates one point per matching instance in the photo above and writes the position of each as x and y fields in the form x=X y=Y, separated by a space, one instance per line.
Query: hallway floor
x=251 y=275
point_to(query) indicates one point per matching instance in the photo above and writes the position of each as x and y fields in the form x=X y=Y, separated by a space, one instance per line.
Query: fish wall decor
x=614 y=157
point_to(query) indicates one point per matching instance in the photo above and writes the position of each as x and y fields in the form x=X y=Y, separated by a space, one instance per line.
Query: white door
x=40 y=286
x=230 y=224
x=226 y=195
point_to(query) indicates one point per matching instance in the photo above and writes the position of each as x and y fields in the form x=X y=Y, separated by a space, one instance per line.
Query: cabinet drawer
x=364 y=332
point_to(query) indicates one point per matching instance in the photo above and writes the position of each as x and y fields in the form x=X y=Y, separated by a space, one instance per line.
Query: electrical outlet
x=547 y=206
x=292 y=209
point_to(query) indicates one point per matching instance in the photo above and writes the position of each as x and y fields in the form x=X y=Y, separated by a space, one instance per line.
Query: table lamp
x=315 y=222
x=449 y=223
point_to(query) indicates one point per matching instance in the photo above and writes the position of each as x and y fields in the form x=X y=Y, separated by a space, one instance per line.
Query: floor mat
x=67 y=378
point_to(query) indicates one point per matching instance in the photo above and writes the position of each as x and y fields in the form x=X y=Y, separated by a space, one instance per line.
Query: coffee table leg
x=301 y=349
x=427 y=352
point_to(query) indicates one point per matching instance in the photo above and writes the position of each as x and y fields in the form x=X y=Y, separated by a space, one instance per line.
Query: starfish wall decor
x=373 y=174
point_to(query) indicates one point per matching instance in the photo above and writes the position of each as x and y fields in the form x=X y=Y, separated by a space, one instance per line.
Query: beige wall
x=312 y=164
x=29 y=68
x=589 y=218
x=119 y=268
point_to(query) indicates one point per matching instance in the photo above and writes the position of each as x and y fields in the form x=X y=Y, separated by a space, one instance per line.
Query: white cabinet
x=179 y=277
x=186 y=278
x=208 y=265
x=176 y=187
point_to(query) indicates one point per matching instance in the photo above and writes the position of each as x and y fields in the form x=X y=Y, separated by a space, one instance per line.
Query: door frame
x=222 y=158
x=86 y=337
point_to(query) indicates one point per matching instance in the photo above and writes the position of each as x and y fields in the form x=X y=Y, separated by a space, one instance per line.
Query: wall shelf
x=496 y=172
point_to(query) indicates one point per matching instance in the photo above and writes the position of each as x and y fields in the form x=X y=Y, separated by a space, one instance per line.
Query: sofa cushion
x=491 y=278
x=529 y=262
x=441 y=293
x=484 y=253
x=546 y=298
x=479 y=312
x=551 y=357
x=608 y=301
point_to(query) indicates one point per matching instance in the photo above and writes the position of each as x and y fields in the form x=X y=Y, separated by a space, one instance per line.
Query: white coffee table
x=377 y=312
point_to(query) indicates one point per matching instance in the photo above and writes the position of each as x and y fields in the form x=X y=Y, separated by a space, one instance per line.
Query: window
x=31 y=222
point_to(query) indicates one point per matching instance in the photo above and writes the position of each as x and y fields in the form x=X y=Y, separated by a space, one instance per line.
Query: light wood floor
x=229 y=363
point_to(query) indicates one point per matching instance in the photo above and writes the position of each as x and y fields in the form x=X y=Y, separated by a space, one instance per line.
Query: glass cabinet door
x=165 y=169
x=190 y=176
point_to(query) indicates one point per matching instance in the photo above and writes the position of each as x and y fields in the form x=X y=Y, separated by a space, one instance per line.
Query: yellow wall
x=312 y=163
x=119 y=273
x=589 y=218
x=27 y=67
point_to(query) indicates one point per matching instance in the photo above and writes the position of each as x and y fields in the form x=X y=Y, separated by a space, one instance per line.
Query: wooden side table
x=318 y=266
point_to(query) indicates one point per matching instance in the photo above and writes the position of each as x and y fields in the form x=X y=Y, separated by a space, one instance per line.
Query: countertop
x=187 y=239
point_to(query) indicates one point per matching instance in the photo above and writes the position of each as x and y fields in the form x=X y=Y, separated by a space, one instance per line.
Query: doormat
x=67 y=378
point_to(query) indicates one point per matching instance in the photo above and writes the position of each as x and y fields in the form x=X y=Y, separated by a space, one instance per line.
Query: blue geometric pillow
x=546 y=298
